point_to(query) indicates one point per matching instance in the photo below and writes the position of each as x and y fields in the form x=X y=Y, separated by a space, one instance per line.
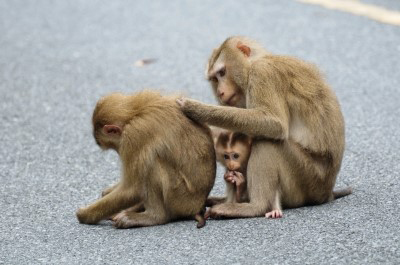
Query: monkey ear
x=243 y=48
x=112 y=130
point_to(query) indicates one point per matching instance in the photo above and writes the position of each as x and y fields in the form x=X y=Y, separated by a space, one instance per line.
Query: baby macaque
x=232 y=151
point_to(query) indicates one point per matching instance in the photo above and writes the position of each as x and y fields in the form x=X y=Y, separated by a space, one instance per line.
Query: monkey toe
x=121 y=221
x=274 y=214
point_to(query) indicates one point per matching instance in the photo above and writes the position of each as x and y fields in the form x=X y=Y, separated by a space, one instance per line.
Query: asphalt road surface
x=57 y=58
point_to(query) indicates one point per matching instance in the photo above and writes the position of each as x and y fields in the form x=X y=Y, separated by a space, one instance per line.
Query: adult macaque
x=232 y=151
x=291 y=114
x=168 y=162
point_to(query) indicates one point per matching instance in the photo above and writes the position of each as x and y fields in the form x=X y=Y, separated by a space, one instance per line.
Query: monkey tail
x=341 y=193
x=201 y=222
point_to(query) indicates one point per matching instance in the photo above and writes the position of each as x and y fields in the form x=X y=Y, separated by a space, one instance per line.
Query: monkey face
x=232 y=161
x=235 y=157
x=225 y=89
x=222 y=82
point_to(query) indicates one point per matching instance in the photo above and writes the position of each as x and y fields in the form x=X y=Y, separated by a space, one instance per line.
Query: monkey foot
x=84 y=216
x=216 y=212
x=274 y=214
x=122 y=220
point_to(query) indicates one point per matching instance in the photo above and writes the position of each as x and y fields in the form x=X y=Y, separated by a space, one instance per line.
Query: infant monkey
x=233 y=151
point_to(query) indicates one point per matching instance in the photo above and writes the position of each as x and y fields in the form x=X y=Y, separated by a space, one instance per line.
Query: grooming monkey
x=291 y=114
x=232 y=150
x=168 y=162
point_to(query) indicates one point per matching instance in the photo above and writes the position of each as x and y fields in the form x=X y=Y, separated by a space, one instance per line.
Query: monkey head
x=233 y=150
x=227 y=69
x=109 y=118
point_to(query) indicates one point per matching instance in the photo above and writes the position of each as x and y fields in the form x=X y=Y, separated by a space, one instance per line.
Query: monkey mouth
x=229 y=101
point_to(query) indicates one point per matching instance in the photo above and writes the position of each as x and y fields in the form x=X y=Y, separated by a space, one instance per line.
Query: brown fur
x=229 y=143
x=168 y=161
x=292 y=115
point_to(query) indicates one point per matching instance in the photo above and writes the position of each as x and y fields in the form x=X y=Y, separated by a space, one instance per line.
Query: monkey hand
x=229 y=177
x=240 y=183
x=238 y=179
x=192 y=108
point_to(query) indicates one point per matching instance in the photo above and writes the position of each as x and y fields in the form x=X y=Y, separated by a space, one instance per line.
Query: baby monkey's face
x=235 y=158
x=233 y=150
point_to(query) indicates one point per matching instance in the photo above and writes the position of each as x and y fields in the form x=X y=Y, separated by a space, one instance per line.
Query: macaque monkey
x=293 y=117
x=232 y=150
x=168 y=162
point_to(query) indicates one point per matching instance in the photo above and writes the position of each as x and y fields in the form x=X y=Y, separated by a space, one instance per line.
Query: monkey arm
x=254 y=122
x=240 y=183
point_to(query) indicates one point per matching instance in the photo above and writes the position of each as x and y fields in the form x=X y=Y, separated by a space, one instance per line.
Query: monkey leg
x=107 y=206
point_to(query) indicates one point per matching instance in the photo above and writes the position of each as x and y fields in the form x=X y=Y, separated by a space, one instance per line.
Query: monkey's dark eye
x=236 y=156
x=213 y=79
x=226 y=157
x=221 y=72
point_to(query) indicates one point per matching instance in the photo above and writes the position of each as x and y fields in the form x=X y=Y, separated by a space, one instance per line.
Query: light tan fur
x=168 y=161
x=291 y=113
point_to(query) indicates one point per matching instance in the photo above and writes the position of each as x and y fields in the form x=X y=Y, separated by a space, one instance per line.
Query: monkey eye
x=221 y=72
x=226 y=157
x=236 y=156
x=213 y=79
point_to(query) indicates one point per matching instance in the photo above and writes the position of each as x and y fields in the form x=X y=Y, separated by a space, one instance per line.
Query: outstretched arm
x=254 y=122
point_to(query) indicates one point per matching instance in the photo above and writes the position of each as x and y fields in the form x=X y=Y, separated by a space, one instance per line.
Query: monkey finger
x=239 y=175
x=181 y=101
x=229 y=179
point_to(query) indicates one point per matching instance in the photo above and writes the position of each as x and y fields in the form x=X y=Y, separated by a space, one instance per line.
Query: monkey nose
x=221 y=94
x=232 y=167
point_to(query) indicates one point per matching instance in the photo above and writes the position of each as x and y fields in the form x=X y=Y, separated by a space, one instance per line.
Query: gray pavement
x=58 y=57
